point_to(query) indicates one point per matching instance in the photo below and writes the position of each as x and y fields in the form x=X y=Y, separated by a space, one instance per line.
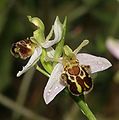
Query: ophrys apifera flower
x=74 y=71
x=33 y=46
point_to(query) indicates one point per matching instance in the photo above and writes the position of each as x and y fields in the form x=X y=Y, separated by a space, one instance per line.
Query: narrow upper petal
x=58 y=30
x=54 y=84
x=96 y=63
x=34 y=58
x=113 y=46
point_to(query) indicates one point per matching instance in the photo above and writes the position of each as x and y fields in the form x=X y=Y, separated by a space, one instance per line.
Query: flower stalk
x=42 y=71
x=84 y=107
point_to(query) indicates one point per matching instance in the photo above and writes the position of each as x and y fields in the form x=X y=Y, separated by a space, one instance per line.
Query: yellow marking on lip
x=86 y=85
x=82 y=77
x=79 y=88
x=29 y=46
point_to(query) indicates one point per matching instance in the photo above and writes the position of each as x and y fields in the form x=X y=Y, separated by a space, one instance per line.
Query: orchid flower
x=113 y=46
x=55 y=83
x=41 y=42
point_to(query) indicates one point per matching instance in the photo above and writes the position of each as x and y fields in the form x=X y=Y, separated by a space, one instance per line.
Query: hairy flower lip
x=54 y=85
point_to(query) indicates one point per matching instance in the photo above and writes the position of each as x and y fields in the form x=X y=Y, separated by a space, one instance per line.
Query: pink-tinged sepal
x=113 y=46
x=96 y=63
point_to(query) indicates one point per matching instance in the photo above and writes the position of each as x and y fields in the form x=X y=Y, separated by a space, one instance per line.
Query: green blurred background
x=21 y=98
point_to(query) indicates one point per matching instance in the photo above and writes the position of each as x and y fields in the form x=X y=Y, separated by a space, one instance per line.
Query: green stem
x=84 y=107
x=47 y=65
x=42 y=71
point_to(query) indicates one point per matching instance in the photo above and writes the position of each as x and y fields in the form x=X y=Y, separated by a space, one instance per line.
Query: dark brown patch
x=23 y=49
x=86 y=68
x=72 y=77
x=81 y=73
x=69 y=82
x=80 y=82
x=24 y=52
x=73 y=88
x=77 y=76
x=74 y=70
x=87 y=80
x=20 y=48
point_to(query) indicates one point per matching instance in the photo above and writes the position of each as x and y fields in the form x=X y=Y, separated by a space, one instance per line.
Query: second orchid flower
x=33 y=46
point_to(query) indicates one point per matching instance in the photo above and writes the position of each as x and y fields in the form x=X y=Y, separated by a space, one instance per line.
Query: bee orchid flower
x=74 y=71
x=37 y=42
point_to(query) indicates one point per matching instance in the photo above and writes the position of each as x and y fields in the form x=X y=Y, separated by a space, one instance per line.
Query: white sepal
x=54 y=84
x=96 y=63
x=58 y=30
x=34 y=58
